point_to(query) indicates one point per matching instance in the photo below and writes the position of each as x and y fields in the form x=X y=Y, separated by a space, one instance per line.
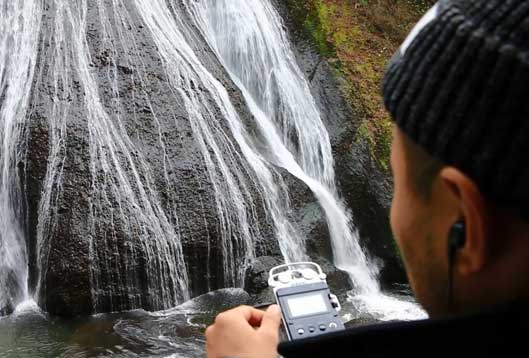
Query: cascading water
x=180 y=61
x=248 y=37
x=121 y=176
x=18 y=55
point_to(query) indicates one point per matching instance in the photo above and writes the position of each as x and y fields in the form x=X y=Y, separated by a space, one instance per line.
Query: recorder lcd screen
x=306 y=305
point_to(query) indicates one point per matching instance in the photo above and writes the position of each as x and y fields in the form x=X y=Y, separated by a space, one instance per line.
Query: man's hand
x=244 y=332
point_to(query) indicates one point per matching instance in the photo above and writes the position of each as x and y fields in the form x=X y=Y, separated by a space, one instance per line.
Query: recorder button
x=312 y=329
x=333 y=325
x=301 y=331
x=284 y=277
x=309 y=275
x=323 y=327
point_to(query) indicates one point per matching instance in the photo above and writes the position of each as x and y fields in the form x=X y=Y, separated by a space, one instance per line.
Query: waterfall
x=19 y=24
x=84 y=72
x=248 y=38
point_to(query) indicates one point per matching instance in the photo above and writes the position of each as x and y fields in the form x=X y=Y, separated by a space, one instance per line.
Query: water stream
x=249 y=39
x=18 y=56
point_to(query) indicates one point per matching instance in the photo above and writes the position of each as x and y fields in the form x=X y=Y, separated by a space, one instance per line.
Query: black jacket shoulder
x=492 y=333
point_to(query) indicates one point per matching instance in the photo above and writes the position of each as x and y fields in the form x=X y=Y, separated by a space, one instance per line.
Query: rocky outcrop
x=365 y=188
x=256 y=280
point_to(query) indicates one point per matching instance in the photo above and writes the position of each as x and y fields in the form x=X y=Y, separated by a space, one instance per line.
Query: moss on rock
x=357 y=37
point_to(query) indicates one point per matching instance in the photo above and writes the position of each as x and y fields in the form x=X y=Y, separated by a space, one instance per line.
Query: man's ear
x=467 y=204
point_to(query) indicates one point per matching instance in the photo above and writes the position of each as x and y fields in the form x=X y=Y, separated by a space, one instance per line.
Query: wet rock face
x=217 y=301
x=368 y=194
x=85 y=255
x=256 y=280
x=13 y=294
x=6 y=308
x=63 y=279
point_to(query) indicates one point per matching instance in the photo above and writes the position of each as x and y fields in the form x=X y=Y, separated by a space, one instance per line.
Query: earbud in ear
x=456 y=238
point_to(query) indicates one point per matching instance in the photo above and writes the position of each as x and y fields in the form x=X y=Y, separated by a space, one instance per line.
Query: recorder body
x=308 y=307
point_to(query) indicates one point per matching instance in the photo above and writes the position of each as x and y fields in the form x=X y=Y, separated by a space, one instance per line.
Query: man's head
x=458 y=92
x=429 y=198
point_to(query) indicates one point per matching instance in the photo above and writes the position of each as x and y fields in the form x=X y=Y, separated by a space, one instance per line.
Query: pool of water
x=31 y=333
x=178 y=332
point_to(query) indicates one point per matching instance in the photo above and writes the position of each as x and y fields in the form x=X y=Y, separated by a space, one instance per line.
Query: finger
x=256 y=318
x=253 y=316
x=249 y=314
x=210 y=346
x=209 y=331
x=271 y=320
x=211 y=352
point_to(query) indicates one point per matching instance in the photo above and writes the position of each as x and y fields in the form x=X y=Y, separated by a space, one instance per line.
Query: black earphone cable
x=451 y=257
x=456 y=240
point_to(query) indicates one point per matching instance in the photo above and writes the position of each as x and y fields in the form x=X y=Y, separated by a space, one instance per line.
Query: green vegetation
x=358 y=37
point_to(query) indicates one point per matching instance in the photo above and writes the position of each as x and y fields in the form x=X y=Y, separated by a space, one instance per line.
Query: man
x=458 y=90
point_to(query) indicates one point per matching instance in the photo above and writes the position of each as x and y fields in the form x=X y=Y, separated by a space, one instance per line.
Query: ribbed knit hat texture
x=459 y=87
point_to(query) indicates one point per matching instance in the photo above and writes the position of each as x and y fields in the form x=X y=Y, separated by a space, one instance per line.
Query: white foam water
x=19 y=33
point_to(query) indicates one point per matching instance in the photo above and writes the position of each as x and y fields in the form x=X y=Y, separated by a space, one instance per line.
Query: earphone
x=456 y=240
x=456 y=237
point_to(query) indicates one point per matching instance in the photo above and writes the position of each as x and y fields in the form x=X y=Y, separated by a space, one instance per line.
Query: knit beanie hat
x=459 y=88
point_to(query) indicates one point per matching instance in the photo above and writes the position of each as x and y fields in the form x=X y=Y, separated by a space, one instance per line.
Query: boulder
x=256 y=279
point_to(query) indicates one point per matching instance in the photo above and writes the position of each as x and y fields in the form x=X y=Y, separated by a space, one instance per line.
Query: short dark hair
x=422 y=168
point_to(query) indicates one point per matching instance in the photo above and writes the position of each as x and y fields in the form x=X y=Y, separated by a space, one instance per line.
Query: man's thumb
x=271 y=319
